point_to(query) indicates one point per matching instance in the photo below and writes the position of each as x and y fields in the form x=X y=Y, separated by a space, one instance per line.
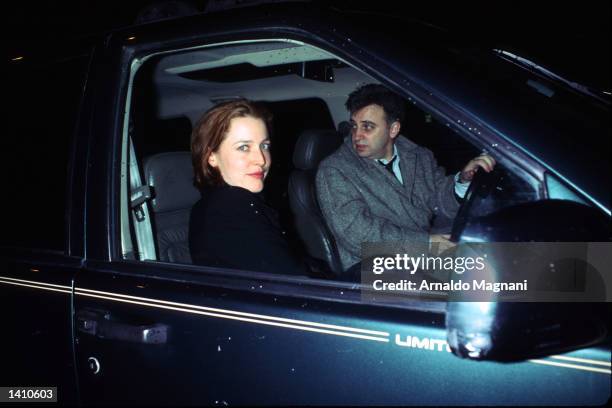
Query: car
x=98 y=294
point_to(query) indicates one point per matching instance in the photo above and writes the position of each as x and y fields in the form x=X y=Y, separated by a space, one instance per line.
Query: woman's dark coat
x=234 y=228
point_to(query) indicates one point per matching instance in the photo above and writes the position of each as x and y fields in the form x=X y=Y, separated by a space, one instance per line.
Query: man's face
x=371 y=134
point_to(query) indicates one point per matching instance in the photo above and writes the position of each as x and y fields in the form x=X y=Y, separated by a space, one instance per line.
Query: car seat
x=170 y=175
x=313 y=145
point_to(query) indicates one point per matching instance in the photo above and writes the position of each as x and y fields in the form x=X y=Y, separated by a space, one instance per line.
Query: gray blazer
x=363 y=202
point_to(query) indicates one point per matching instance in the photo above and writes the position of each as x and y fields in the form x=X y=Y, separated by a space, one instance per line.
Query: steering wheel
x=481 y=186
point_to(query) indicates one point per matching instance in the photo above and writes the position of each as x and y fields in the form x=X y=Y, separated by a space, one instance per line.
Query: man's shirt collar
x=385 y=161
x=396 y=167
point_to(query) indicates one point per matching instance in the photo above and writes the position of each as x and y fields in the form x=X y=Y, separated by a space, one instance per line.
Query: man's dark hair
x=369 y=94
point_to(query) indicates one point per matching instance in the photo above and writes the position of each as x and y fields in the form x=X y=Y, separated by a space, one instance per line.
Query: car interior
x=304 y=87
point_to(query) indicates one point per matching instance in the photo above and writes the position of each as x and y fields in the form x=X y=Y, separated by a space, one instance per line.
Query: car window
x=301 y=86
x=40 y=120
x=305 y=88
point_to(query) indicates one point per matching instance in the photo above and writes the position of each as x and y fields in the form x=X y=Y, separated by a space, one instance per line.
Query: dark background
x=569 y=37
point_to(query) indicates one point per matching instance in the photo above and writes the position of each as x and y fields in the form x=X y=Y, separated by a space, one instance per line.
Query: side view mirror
x=511 y=331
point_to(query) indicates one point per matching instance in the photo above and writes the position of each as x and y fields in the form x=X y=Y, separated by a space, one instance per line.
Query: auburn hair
x=211 y=129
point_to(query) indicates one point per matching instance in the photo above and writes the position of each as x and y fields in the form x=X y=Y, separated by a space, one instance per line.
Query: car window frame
x=305 y=286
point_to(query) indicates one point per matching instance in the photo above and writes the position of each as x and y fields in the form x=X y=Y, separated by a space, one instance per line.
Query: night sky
x=572 y=37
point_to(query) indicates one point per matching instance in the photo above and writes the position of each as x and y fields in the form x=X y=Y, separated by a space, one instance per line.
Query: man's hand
x=439 y=243
x=484 y=160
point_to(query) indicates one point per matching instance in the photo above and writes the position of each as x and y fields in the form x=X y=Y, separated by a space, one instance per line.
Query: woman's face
x=243 y=158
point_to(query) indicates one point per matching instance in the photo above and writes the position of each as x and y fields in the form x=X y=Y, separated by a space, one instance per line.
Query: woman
x=231 y=226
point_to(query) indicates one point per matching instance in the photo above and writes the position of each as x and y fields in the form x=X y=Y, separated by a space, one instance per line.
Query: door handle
x=100 y=324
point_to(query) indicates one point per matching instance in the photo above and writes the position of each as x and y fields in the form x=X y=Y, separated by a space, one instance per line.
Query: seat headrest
x=171 y=176
x=344 y=128
x=314 y=145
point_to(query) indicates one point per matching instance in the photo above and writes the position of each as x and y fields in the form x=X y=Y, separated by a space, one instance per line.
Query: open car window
x=305 y=88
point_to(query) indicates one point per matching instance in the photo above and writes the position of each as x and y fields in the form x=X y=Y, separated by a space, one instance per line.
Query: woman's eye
x=243 y=148
x=265 y=146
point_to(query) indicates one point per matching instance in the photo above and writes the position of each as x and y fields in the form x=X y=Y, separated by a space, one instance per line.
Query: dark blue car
x=98 y=296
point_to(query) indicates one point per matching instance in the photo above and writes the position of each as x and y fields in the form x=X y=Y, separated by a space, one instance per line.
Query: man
x=377 y=187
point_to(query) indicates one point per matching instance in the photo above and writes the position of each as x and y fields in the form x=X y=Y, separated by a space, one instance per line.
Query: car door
x=160 y=333
x=41 y=248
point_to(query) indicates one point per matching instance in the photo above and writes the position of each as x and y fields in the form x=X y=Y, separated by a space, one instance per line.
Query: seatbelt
x=139 y=195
